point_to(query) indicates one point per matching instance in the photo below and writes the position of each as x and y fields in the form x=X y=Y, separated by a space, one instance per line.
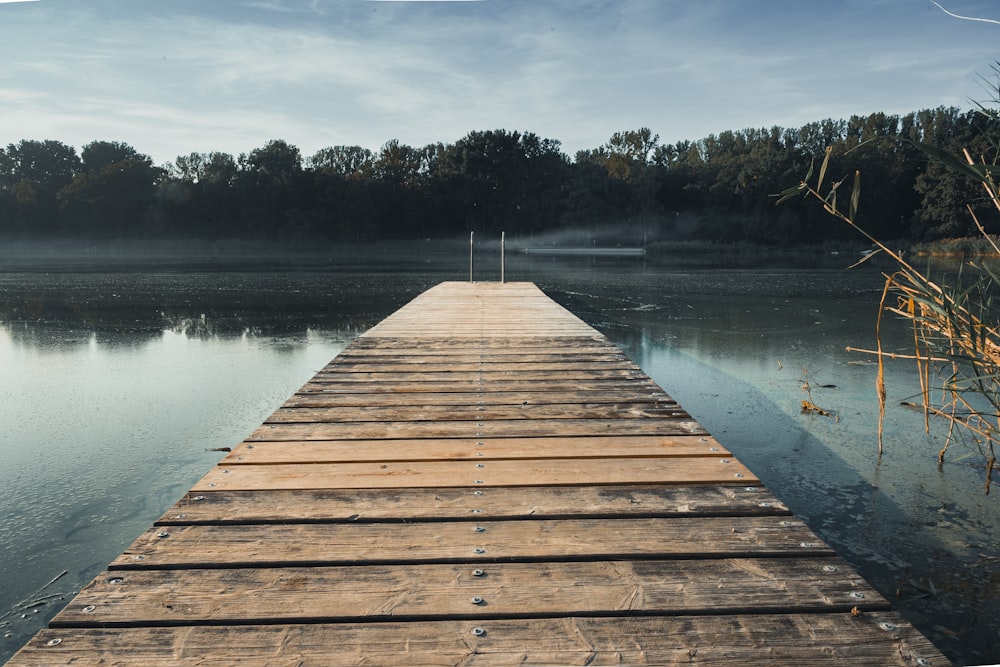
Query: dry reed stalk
x=950 y=332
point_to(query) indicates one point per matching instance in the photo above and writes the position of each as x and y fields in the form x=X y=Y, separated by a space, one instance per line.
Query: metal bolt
x=477 y=493
x=225 y=472
x=786 y=524
x=54 y=642
x=751 y=489
x=479 y=435
x=806 y=545
x=829 y=568
x=477 y=600
x=116 y=580
x=480 y=465
x=162 y=535
x=249 y=446
x=764 y=504
x=711 y=449
x=479 y=550
x=198 y=498
x=479 y=481
x=477 y=573
x=888 y=627
x=480 y=454
x=89 y=608
x=478 y=632
x=477 y=511
x=213 y=484
x=479 y=443
x=479 y=529
x=180 y=516
x=857 y=596
x=923 y=662
x=724 y=461
x=140 y=557
x=739 y=474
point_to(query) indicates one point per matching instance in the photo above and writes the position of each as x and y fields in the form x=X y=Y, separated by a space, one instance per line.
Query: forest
x=718 y=189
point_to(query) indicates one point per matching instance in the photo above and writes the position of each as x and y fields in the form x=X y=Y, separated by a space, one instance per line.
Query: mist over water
x=117 y=383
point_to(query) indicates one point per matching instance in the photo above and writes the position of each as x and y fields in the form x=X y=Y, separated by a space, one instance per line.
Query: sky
x=171 y=77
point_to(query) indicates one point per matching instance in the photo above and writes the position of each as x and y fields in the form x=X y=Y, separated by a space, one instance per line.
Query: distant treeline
x=716 y=189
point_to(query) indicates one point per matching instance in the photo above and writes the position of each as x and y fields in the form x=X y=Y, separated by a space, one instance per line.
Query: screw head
x=857 y=596
x=54 y=642
x=89 y=608
x=888 y=627
x=478 y=573
x=478 y=632
x=477 y=600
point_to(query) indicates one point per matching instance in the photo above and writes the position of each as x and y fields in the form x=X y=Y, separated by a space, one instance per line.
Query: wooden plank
x=476 y=385
x=487 y=411
x=315 y=396
x=348 y=505
x=485 y=375
x=478 y=366
x=326 y=594
x=274 y=545
x=418 y=356
x=507 y=428
x=524 y=472
x=339 y=451
x=786 y=640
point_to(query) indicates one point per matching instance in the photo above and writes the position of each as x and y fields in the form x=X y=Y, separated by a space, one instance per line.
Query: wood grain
x=317 y=594
x=750 y=640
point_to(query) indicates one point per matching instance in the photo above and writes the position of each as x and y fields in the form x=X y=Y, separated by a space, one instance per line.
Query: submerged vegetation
x=713 y=190
x=955 y=323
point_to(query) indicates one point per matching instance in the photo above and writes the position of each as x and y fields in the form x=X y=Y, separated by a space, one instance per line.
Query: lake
x=120 y=381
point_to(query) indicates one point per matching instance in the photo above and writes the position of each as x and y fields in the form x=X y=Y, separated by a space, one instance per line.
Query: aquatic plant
x=956 y=328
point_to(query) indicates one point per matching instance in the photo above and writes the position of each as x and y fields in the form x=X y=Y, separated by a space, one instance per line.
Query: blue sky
x=175 y=76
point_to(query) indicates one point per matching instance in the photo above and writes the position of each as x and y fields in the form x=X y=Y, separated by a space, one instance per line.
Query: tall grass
x=956 y=331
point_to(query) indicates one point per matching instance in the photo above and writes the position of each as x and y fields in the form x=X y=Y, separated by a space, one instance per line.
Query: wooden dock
x=480 y=479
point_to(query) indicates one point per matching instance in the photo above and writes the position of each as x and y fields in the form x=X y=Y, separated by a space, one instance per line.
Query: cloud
x=317 y=73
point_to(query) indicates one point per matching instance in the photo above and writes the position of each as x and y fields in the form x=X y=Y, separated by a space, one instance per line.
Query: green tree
x=115 y=194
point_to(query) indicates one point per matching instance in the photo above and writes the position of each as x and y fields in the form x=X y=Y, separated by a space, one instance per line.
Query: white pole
x=503 y=259
x=472 y=236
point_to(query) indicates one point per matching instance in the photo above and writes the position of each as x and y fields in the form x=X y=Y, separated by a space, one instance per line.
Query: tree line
x=716 y=189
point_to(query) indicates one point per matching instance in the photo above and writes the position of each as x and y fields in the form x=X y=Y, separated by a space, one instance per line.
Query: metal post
x=472 y=236
x=503 y=259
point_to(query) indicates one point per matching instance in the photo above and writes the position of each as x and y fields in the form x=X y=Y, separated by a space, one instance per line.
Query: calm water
x=116 y=387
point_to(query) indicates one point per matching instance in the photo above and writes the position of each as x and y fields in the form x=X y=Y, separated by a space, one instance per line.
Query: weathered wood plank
x=485 y=376
x=478 y=386
x=523 y=472
x=418 y=356
x=507 y=428
x=426 y=542
x=296 y=594
x=486 y=411
x=478 y=366
x=348 y=505
x=583 y=447
x=787 y=640
x=318 y=396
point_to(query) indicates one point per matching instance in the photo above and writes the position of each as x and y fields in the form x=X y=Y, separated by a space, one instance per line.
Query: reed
x=956 y=331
